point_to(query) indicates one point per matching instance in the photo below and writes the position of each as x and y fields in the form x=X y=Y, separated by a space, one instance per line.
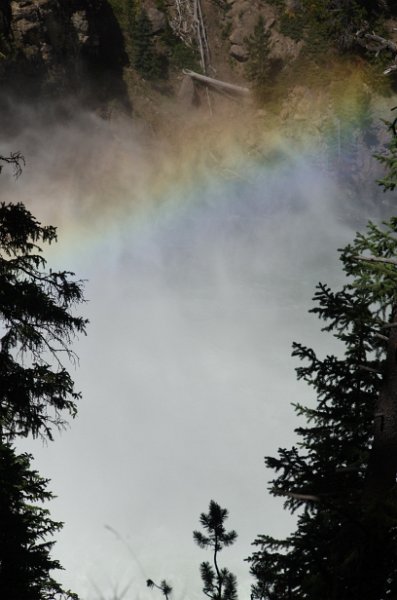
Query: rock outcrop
x=61 y=46
x=243 y=16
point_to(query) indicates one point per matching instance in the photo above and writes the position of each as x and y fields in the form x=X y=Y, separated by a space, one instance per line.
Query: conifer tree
x=37 y=324
x=341 y=475
x=25 y=560
x=389 y=158
x=37 y=327
x=219 y=584
x=164 y=587
x=259 y=65
x=146 y=60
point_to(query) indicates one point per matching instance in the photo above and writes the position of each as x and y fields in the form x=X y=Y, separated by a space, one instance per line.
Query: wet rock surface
x=43 y=30
x=61 y=46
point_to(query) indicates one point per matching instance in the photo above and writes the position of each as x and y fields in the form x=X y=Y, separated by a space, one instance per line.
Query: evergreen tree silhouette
x=37 y=327
x=341 y=475
x=164 y=587
x=146 y=59
x=389 y=158
x=37 y=324
x=259 y=64
x=25 y=561
x=219 y=584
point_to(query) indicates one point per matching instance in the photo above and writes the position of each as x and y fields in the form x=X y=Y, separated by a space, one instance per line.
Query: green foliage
x=150 y=63
x=6 y=50
x=279 y=3
x=25 y=561
x=131 y=11
x=326 y=25
x=222 y=4
x=259 y=64
x=349 y=126
x=219 y=584
x=179 y=54
x=389 y=159
x=227 y=29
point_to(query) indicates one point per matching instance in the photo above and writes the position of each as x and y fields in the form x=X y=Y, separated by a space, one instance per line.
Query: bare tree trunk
x=229 y=87
x=376 y=548
x=382 y=466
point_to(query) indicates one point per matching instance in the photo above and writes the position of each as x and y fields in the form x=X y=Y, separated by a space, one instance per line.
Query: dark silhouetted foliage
x=25 y=561
x=146 y=59
x=37 y=324
x=259 y=64
x=164 y=587
x=389 y=159
x=219 y=584
x=341 y=475
x=328 y=24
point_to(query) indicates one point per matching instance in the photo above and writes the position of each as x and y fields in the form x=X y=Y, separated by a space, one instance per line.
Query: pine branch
x=375 y=259
x=296 y=495
x=379 y=336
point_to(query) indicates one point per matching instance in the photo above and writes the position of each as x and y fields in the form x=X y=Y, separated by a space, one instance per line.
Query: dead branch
x=380 y=42
x=379 y=336
x=201 y=35
x=369 y=369
x=231 y=87
x=16 y=159
x=182 y=23
x=376 y=43
x=297 y=496
x=304 y=497
x=376 y=259
x=348 y=469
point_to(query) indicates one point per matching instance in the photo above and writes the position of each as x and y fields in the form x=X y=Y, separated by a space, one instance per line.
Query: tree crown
x=37 y=326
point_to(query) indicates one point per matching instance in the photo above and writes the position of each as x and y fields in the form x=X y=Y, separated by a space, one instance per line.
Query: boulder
x=58 y=45
x=237 y=37
x=238 y=52
x=187 y=92
x=29 y=26
x=240 y=7
x=157 y=18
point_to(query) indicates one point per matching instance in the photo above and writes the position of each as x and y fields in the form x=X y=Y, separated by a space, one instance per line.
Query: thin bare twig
x=369 y=369
x=379 y=336
x=16 y=159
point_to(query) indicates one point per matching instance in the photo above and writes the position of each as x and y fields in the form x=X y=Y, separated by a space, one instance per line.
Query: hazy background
x=195 y=293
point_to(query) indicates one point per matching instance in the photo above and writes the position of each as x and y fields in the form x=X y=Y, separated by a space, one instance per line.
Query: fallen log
x=379 y=42
x=223 y=85
x=376 y=43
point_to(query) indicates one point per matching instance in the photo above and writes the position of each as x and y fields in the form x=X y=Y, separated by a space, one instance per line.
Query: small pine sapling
x=259 y=65
x=219 y=584
x=164 y=587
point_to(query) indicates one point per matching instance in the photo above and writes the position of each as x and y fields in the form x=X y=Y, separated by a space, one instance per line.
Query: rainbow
x=99 y=181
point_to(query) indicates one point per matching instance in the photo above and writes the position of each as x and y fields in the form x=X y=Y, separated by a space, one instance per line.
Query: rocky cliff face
x=102 y=51
x=78 y=46
x=61 y=46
